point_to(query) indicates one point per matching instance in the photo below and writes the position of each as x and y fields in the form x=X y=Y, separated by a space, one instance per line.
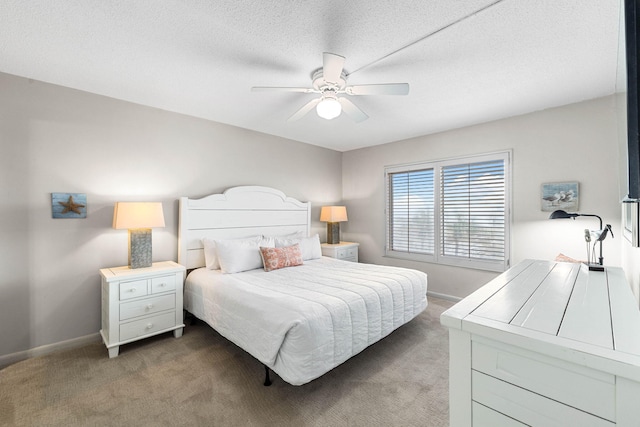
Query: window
x=451 y=212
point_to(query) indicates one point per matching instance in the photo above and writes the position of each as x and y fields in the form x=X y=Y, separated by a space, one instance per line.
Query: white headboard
x=236 y=213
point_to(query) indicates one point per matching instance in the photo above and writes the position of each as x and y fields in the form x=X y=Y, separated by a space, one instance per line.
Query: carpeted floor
x=202 y=379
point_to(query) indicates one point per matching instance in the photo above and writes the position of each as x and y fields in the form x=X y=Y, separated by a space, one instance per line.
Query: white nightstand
x=347 y=251
x=138 y=303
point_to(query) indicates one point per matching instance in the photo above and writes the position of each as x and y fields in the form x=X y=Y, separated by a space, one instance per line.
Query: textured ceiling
x=201 y=58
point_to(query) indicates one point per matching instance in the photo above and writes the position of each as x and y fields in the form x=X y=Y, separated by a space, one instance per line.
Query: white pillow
x=211 y=252
x=294 y=235
x=309 y=246
x=235 y=256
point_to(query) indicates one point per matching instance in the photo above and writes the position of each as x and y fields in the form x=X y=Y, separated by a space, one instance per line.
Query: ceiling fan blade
x=304 y=109
x=283 y=89
x=332 y=65
x=352 y=110
x=379 y=89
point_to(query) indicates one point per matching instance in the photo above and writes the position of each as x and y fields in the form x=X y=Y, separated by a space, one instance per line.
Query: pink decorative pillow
x=275 y=258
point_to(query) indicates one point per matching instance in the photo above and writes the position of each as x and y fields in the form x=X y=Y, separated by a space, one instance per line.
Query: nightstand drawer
x=347 y=254
x=147 y=326
x=163 y=284
x=129 y=310
x=133 y=289
x=346 y=251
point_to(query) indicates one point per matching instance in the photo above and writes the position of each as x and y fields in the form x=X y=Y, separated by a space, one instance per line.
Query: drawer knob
x=149 y=307
x=149 y=325
x=162 y=285
x=132 y=290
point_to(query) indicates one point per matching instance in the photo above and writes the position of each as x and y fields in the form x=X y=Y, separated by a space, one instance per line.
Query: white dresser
x=546 y=344
x=347 y=251
x=139 y=303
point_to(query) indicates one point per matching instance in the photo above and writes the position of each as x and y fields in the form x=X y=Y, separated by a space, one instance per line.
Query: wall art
x=69 y=205
x=560 y=195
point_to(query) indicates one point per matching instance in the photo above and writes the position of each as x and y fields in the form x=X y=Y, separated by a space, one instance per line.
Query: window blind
x=473 y=210
x=411 y=201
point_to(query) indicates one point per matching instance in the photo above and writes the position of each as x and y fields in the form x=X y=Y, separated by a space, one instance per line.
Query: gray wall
x=54 y=139
x=578 y=142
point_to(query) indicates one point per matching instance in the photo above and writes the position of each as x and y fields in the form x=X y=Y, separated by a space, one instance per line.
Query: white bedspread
x=303 y=321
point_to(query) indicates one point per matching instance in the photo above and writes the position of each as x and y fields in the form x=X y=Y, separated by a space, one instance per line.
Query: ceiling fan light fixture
x=329 y=108
x=331 y=81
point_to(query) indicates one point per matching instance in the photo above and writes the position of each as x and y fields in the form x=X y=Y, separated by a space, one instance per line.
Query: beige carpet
x=202 y=379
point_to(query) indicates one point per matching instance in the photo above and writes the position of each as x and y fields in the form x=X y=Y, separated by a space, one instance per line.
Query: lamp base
x=596 y=267
x=333 y=233
x=140 y=248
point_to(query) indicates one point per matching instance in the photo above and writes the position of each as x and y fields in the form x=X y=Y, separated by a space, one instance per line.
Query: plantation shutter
x=473 y=203
x=411 y=211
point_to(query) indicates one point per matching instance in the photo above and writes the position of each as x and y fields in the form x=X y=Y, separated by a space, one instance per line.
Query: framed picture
x=68 y=205
x=560 y=195
x=631 y=227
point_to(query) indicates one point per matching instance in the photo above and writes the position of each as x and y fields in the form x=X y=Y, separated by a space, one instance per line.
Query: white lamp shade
x=333 y=214
x=131 y=215
x=329 y=108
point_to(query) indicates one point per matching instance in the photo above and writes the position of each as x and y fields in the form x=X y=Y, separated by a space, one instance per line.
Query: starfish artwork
x=69 y=205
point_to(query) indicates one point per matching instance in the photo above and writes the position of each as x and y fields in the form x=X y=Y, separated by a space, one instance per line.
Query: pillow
x=294 y=235
x=211 y=252
x=276 y=258
x=235 y=256
x=309 y=246
x=210 y=255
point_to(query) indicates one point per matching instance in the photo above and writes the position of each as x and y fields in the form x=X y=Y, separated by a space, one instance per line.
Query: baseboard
x=443 y=296
x=9 y=359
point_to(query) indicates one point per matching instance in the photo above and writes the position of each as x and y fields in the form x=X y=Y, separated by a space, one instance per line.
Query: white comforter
x=303 y=321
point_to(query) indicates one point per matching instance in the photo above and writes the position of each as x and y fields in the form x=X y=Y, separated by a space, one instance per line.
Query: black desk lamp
x=560 y=214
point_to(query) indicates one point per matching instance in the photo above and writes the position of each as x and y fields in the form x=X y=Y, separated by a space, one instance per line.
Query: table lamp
x=138 y=218
x=601 y=234
x=333 y=215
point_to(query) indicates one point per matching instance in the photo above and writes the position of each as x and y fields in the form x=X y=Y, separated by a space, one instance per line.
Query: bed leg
x=267 y=379
x=188 y=315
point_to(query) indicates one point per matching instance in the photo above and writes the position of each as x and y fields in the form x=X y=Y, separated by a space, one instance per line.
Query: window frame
x=437 y=256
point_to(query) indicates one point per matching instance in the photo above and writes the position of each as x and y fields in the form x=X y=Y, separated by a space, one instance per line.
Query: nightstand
x=346 y=251
x=139 y=303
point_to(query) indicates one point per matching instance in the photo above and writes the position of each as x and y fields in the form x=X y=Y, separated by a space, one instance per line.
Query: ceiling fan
x=331 y=81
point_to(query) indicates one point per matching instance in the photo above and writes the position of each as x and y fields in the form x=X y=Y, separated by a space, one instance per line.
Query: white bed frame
x=238 y=212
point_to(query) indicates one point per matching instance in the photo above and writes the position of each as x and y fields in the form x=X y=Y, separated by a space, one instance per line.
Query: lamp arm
x=595 y=216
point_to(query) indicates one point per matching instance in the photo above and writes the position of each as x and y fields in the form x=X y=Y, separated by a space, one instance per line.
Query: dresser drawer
x=578 y=386
x=133 y=289
x=526 y=407
x=147 y=326
x=129 y=310
x=486 y=417
x=163 y=284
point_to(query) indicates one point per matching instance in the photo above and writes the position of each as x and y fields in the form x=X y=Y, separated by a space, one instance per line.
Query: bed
x=301 y=318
